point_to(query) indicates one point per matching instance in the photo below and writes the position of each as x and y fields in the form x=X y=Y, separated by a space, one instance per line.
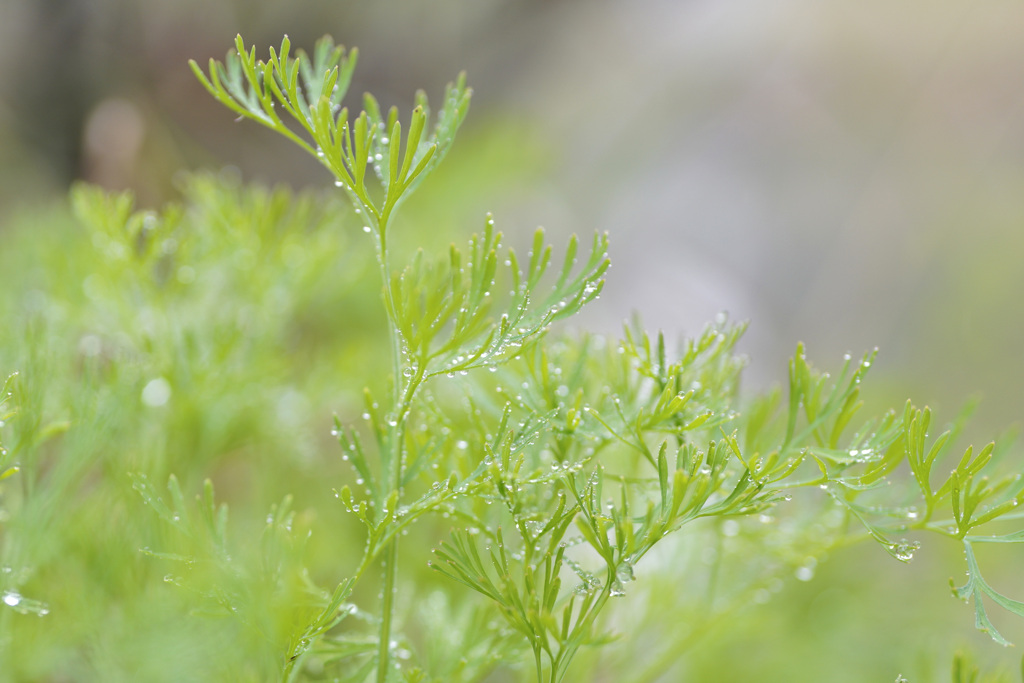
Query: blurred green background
x=846 y=174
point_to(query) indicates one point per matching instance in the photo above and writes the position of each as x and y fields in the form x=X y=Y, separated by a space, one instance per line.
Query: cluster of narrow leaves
x=621 y=462
x=445 y=313
x=254 y=585
x=861 y=472
x=553 y=465
x=310 y=90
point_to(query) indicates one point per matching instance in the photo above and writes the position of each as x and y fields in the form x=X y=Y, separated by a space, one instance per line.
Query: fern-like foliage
x=553 y=464
x=310 y=90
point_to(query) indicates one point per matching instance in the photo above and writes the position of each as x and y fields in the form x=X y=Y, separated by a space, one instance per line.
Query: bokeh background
x=848 y=174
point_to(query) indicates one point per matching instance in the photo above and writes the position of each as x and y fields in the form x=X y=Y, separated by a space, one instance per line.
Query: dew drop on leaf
x=156 y=393
x=806 y=571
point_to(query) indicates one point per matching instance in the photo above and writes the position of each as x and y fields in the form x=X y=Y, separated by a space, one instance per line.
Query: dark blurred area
x=847 y=174
x=103 y=92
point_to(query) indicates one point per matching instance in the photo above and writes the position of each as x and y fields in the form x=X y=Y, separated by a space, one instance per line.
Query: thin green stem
x=394 y=459
x=387 y=611
x=579 y=632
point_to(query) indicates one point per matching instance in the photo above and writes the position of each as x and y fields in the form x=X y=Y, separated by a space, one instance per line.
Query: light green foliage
x=311 y=91
x=545 y=479
x=10 y=586
x=6 y=413
x=966 y=671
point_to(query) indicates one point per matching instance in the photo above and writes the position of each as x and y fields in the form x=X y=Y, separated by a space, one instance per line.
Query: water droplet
x=366 y=228
x=904 y=550
x=806 y=571
x=156 y=393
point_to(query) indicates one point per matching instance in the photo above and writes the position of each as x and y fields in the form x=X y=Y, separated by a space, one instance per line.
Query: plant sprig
x=558 y=471
x=311 y=91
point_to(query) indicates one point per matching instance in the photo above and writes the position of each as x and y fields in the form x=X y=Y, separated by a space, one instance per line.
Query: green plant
x=10 y=595
x=542 y=472
x=601 y=454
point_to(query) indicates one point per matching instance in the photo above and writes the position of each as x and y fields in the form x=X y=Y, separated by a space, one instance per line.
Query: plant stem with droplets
x=393 y=460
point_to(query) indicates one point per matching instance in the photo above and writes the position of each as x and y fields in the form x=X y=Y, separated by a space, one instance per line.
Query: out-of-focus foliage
x=213 y=340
